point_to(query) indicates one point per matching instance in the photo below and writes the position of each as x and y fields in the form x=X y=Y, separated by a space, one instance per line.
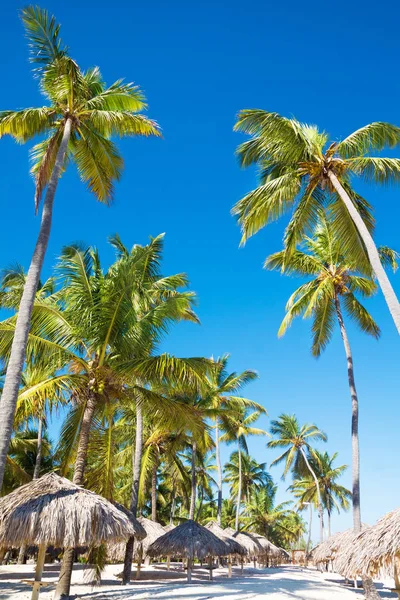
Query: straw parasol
x=374 y=550
x=235 y=548
x=54 y=511
x=191 y=541
x=332 y=548
x=151 y=530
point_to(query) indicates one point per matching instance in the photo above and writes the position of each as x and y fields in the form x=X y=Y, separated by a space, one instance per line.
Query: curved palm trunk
x=154 y=491
x=320 y=509
x=137 y=465
x=64 y=581
x=309 y=532
x=36 y=471
x=329 y=524
x=239 y=494
x=219 y=470
x=369 y=587
x=373 y=255
x=20 y=340
x=193 y=494
x=354 y=421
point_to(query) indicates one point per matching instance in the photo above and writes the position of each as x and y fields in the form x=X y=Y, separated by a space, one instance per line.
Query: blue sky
x=199 y=63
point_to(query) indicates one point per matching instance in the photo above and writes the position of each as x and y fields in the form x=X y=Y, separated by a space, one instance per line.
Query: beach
x=285 y=583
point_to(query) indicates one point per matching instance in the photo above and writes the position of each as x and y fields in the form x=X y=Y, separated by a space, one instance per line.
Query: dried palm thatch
x=234 y=546
x=151 y=530
x=253 y=545
x=169 y=527
x=331 y=548
x=53 y=510
x=374 y=550
x=189 y=540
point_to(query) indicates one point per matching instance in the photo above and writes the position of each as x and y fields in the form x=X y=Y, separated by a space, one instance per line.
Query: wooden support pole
x=139 y=560
x=168 y=563
x=189 y=570
x=210 y=566
x=38 y=572
x=229 y=566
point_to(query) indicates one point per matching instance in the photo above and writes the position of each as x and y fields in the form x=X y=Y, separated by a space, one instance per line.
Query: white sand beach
x=285 y=583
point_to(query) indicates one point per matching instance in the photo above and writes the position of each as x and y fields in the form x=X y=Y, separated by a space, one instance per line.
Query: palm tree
x=237 y=426
x=80 y=117
x=269 y=519
x=253 y=475
x=288 y=433
x=333 y=494
x=223 y=389
x=334 y=285
x=302 y=169
x=106 y=326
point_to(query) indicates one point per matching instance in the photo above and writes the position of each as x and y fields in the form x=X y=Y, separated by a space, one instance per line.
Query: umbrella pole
x=168 y=563
x=38 y=572
x=139 y=560
x=229 y=566
x=189 y=570
x=396 y=579
x=210 y=564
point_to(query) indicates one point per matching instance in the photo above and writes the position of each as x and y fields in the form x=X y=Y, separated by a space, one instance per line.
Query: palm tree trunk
x=329 y=524
x=368 y=585
x=354 y=421
x=239 y=494
x=154 y=491
x=38 y=460
x=219 y=469
x=200 y=503
x=320 y=509
x=36 y=471
x=309 y=531
x=137 y=465
x=64 y=581
x=20 y=340
x=193 y=494
x=172 y=513
x=373 y=255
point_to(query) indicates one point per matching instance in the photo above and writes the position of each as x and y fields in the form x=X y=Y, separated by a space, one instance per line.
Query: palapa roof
x=52 y=510
x=169 y=527
x=151 y=531
x=373 y=550
x=252 y=544
x=333 y=546
x=234 y=546
x=190 y=540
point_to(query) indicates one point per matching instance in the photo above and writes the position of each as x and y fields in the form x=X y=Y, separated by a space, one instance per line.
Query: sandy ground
x=284 y=583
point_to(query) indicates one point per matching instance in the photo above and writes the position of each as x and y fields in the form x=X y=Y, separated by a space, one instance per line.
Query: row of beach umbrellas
x=374 y=552
x=52 y=511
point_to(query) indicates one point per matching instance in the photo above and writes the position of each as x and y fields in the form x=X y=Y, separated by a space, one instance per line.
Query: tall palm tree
x=334 y=285
x=288 y=433
x=269 y=519
x=253 y=475
x=106 y=326
x=301 y=169
x=237 y=425
x=80 y=117
x=334 y=495
x=224 y=387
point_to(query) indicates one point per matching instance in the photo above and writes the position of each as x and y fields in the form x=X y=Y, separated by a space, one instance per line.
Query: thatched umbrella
x=54 y=511
x=151 y=531
x=374 y=550
x=189 y=540
x=235 y=548
x=332 y=548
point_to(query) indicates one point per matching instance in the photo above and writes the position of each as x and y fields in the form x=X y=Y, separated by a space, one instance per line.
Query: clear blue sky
x=199 y=63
